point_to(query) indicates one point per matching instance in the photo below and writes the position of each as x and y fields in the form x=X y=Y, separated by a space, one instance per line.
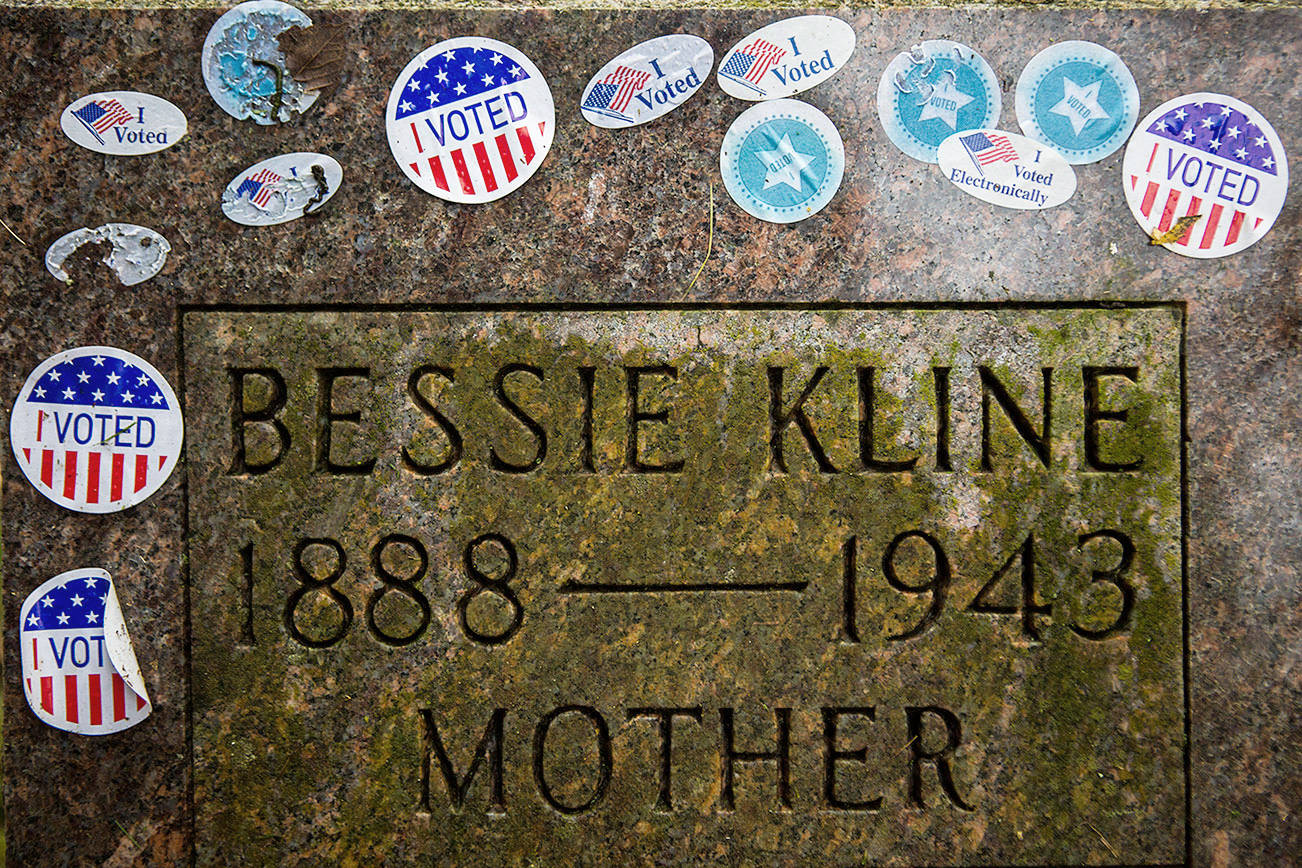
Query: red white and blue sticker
x=79 y=671
x=786 y=57
x=647 y=82
x=123 y=123
x=96 y=429
x=1006 y=169
x=283 y=188
x=1210 y=163
x=470 y=119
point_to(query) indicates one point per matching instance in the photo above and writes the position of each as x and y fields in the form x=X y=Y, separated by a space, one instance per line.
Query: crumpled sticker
x=79 y=671
x=245 y=68
x=280 y=189
x=138 y=253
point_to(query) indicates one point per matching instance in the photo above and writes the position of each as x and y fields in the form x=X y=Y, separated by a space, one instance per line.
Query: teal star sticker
x=784 y=165
x=1079 y=105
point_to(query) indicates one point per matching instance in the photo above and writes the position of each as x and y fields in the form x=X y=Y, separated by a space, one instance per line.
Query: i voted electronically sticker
x=123 y=123
x=79 y=670
x=245 y=68
x=782 y=160
x=934 y=90
x=281 y=189
x=96 y=429
x=1080 y=98
x=1209 y=166
x=647 y=81
x=470 y=119
x=1006 y=169
x=786 y=57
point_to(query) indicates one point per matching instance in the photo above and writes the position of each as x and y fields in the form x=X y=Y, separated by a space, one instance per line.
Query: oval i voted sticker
x=1078 y=97
x=786 y=57
x=96 y=429
x=245 y=69
x=123 y=123
x=281 y=189
x=136 y=253
x=470 y=119
x=934 y=90
x=782 y=160
x=647 y=81
x=1006 y=169
x=79 y=670
x=1207 y=169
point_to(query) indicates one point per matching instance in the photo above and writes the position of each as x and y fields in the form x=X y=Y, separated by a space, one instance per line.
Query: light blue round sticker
x=782 y=160
x=1080 y=98
x=934 y=90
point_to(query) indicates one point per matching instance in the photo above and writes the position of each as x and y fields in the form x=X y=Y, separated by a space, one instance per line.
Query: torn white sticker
x=1006 y=169
x=96 y=429
x=786 y=57
x=244 y=66
x=123 y=123
x=79 y=670
x=136 y=253
x=281 y=189
x=647 y=81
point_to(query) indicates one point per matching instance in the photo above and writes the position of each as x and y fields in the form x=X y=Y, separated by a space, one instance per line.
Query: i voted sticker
x=786 y=57
x=79 y=670
x=782 y=161
x=647 y=81
x=1006 y=169
x=96 y=429
x=245 y=69
x=1080 y=98
x=934 y=90
x=136 y=253
x=281 y=189
x=1208 y=170
x=470 y=119
x=123 y=123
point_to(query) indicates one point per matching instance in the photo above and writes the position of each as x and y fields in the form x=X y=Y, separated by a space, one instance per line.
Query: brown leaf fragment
x=1176 y=232
x=315 y=55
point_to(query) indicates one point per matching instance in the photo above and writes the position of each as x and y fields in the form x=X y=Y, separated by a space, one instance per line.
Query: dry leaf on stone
x=315 y=55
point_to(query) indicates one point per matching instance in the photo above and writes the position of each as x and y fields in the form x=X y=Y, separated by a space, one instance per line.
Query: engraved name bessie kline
x=497 y=568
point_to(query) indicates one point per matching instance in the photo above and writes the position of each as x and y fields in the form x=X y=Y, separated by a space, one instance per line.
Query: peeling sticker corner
x=137 y=253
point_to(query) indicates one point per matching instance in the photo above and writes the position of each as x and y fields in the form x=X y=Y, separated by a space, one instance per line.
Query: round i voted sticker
x=1205 y=173
x=123 y=123
x=647 y=81
x=782 y=160
x=245 y=69
x=281 y=189
x=96 y=429
x=470 y=119
x=1006 y=169
x=786 y=57
x=934 y=90
x=1078 y=97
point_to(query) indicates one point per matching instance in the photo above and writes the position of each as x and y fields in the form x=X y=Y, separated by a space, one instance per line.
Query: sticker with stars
x=79 y=671
x=782 y=160
x=96 y=429
x=933 y=90
x=1205 y=175
x=470 y=119
x=1080 y=98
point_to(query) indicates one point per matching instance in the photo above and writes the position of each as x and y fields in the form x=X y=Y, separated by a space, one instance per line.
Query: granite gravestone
x=918 y=532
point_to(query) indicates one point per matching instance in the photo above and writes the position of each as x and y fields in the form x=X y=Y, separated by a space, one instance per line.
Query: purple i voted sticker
x=79 y=671
x=96 y=429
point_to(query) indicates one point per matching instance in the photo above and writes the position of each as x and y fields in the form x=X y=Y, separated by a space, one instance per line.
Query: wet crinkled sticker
x=647 y=81
x=934 y=90
x=470 y=119
x=1209 y=157
x=782 y=161
x=123 y=123
x=786 y=57
x=245 y=68
x=136 y=253
x=1006 y=169
x=96 y=429
x=281 y=189
x=79 y=671
x=1078 y=97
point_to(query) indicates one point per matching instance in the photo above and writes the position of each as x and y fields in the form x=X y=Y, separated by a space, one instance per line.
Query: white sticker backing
x=123 y=123
x=136 y=253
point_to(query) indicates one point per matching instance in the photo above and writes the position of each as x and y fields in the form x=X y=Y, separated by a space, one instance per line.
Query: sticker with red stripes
x=470 y=119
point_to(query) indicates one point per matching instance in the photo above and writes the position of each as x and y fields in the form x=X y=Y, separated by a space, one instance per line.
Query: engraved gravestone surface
x=606 y=524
